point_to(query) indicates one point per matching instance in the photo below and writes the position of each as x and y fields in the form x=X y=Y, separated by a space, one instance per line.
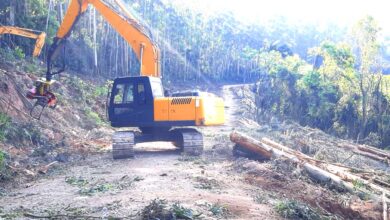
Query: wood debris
x=352 y=179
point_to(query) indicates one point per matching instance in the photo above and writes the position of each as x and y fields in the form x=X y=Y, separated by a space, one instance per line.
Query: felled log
x=269 y=152
x=370 y=152
x=251 y=144
x=375 y=151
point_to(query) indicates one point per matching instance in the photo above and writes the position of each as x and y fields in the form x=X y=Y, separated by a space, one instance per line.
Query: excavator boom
x=135 y=34
x=39 y=36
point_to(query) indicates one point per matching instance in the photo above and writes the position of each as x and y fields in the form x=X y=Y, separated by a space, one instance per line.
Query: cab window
x=123 y=94
x=129 y=96
x=141 y=93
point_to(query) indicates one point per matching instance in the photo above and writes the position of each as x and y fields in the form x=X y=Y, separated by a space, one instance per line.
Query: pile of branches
x=372 y=183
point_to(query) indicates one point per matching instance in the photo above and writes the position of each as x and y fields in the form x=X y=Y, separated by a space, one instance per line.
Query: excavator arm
x=40 y=38
x=145 y=49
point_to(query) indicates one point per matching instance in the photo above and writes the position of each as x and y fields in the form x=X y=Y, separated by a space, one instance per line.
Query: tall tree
x=365 y=39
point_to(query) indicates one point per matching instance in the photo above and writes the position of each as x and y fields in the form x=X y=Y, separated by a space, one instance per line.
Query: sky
x=341 y=12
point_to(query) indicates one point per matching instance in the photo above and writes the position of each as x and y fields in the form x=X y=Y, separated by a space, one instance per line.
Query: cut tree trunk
x=251 y=144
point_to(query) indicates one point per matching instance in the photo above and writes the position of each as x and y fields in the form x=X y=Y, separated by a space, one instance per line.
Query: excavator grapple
x=43 y=96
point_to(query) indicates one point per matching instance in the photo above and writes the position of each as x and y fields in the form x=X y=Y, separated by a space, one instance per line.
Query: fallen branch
x=44 y=169
x=384 y=206
x=29 y=215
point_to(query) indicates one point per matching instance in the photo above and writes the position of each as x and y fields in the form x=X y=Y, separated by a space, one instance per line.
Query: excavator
x=39 y=36
x=139 y=101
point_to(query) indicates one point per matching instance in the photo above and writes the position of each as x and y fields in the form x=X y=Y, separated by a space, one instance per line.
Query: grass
x=76 y=181
x=89 y=191
x=292 y=209
x=180 y=212
x=87 y=188
x=260 y=199
x=357 y=184
x=159 y=209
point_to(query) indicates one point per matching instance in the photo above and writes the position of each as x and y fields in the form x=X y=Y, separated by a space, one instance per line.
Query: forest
x=336 y=79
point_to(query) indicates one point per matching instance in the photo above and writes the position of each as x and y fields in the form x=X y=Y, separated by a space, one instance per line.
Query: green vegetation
x=90 y=187
x=357 y=184
x=218 y=209
x=98 y=188
x=332 y=94
x=19 y=53
x=76 y=181
x=23 y=134
x=292 y=209
x=159 y=209
x=180 y=212
x=5 y=122
x=4 y=171
x=93 y=116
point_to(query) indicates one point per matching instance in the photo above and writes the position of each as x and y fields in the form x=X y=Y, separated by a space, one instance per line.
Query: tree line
x=331 y=79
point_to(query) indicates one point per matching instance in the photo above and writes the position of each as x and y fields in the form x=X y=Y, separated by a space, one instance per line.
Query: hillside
x=60 y=134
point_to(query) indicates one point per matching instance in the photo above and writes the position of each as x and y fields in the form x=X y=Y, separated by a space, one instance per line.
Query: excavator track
x=189 y=140
x=123 y=145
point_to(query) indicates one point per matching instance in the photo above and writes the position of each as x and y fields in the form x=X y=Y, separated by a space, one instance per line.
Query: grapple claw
x=45 y=98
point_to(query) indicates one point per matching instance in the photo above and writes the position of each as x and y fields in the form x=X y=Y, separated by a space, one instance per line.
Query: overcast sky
x=342 y=12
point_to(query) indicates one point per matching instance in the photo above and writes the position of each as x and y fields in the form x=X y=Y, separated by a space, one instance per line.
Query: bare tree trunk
x=364 y=110
x=48 y=14
x=94 y=41
x=12 y=13
x=116 y=55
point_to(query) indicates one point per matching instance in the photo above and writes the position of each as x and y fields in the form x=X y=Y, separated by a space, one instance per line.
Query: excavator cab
x=132 y=100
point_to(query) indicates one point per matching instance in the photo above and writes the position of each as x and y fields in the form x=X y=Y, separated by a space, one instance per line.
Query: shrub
x=4 y=172
x=292 y=209
x=93 y=116
x=19 y=54
x=5 y=122
x=6 y=55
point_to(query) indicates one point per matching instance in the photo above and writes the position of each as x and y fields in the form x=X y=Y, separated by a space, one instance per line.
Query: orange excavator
x=140 y=101
x=38 y=35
